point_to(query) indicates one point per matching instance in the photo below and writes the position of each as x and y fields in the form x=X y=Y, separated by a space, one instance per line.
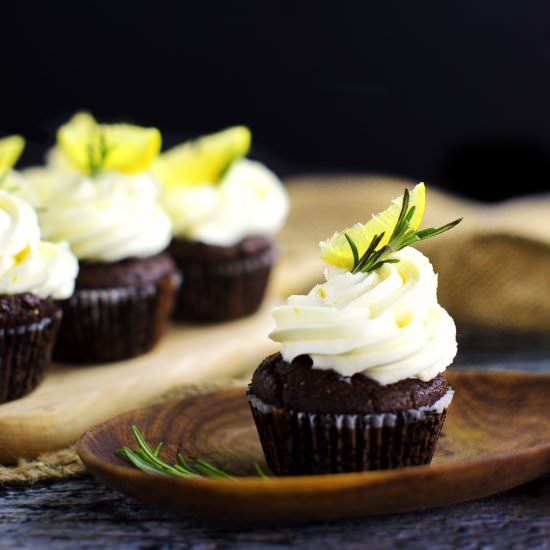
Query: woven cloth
x=495 y=280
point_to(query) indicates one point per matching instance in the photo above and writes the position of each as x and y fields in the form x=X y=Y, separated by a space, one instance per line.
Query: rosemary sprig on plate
x=402 y=235
x=147 y=460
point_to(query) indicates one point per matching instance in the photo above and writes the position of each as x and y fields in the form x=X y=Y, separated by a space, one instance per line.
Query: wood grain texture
x=72 y=399
x=497 y=437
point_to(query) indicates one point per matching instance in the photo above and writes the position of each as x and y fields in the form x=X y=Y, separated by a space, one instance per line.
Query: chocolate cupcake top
x=216 y=196
x=377 y=313
x=298 y=386
x=98 y=194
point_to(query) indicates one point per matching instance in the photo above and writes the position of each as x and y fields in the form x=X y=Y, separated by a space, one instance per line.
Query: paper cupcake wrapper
x=105 y=325
x=223 y=290
x=298 y=443
x=25 y=353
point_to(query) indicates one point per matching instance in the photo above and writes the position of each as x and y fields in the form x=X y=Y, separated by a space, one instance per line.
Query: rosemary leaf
x=148 y=460
x=209 y=469
x=353 y=250
x=157 y=449
x=402 y=235
x=138 y=462
x=259 y=471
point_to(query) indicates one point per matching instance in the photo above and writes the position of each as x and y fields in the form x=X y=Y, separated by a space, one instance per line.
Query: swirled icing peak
x=215 y=195
x=386 y=325
x=108 y=218
x=28 y=264
x=377 y=313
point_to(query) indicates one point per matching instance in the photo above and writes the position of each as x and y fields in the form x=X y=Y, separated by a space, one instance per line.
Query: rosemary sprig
x=402 y=235
x=147 y=460
x=95 y=165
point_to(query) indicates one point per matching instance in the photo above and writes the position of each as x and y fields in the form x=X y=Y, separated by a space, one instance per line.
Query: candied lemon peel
x=91 y=147
x=336 y=250
x=204 y=160
x=11 y=148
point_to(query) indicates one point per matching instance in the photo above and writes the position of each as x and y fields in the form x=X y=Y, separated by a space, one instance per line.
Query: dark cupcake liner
x=105 y=325
x=220 y=290
x=25 y=353
x=298 y=443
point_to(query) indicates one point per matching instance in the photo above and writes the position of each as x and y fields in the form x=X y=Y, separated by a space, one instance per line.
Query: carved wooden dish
x=497 y=436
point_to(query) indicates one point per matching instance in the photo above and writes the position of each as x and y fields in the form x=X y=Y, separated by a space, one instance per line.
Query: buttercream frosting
x=28 y=264
x=110 y=217
x=249 y=200
x=386 y=324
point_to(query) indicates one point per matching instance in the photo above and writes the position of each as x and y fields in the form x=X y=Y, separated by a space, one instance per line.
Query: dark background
x=454 y=93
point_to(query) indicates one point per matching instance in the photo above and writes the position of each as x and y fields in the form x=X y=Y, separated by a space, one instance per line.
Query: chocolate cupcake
x=224 y=211
x=33 y=273
x=97 y=193
x=343 y=425
x=121 y=308
x=222 y=282
x=359 y=383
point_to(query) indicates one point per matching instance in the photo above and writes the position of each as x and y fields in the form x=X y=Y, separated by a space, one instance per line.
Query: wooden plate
x=497 y=436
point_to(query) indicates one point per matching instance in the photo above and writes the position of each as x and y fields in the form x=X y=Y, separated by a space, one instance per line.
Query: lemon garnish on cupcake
x=366 y=247
x=204 y=160
x=10 y=150
x=91 y=147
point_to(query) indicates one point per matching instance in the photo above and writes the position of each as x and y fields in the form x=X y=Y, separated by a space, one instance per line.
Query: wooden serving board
x=73 y=399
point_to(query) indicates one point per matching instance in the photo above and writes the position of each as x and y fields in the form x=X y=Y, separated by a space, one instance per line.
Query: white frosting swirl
x=386 y=324
x=28 y=264
x=108 y=218
x=250 y=200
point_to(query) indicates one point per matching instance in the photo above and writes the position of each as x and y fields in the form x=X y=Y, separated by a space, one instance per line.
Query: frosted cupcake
x=225 y=210
x=359 y=383
x=97 y=193
x=33 y=275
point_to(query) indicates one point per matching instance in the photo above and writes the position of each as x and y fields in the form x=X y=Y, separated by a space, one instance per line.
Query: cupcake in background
x=98 y=194
x=33 y=275
x=225 y=210
x=359 y=383
x=11 y=148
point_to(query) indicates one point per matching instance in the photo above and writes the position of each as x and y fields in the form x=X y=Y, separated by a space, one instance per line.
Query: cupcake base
x=102 y=325
x=299 y=443
x=221 y=283
x=26 y=349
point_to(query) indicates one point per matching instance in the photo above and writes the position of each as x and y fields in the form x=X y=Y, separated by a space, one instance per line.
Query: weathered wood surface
x=84 y=514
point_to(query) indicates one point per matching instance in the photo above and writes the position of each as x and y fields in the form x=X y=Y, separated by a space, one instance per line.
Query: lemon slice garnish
x=204 y=160
x=91 y=147
x=337 y=251
x=10 y=150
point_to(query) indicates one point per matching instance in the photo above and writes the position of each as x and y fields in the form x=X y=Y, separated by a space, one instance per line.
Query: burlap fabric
x=495 y=280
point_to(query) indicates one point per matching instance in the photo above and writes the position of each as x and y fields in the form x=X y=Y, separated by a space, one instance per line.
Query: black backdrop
x=454 y=93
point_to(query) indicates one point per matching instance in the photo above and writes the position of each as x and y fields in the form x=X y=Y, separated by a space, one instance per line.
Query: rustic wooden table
x=84 y=514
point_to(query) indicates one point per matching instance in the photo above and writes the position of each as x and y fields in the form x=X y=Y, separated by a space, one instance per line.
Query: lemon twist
x=204 y=160
x=10 y=150
x=365 y=248
x=92 y=147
